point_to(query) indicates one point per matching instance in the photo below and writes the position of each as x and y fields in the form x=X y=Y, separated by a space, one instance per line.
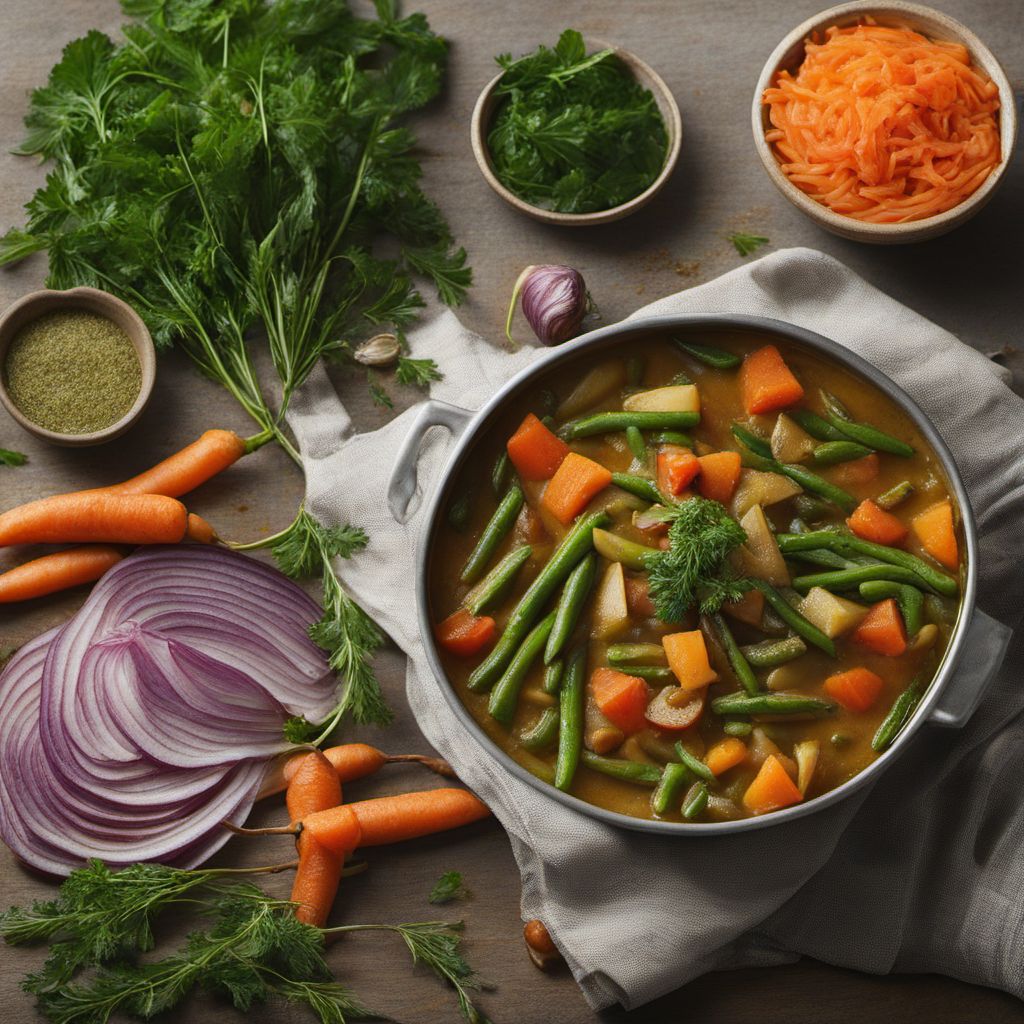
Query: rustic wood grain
x=710 y=52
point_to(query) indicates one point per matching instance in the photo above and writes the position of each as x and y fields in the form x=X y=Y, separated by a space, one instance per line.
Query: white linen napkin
x=924 y=872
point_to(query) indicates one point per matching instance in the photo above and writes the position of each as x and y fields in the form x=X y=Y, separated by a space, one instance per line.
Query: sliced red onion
x=134 y=730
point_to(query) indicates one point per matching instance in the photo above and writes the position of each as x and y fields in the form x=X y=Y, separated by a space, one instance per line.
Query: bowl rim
x=616 y=335
x=93 y=300
x=850 y=226
x=482 y=114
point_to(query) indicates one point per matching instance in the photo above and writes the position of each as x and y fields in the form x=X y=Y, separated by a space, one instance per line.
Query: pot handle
x=403 y=482
x=984 y=649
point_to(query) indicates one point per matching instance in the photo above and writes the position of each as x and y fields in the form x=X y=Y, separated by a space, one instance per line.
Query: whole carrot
x=58 y=571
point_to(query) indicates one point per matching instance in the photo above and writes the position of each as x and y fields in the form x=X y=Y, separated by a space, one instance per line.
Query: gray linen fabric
x=923 y=873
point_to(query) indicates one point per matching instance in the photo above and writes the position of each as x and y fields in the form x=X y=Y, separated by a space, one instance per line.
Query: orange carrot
x=392 y=819
x=771 y=789
x=688 y=658
x=96 y=516
x=726 y=754
x=535 y=451
x=58 y=571
x=749 y=608
x=622 y=699
x=856 y=688
x=539 y=945
x=767 y=383
x=882 y=629
x=314 y=786
x=576 y=481
x=185 y=470
x=719 y=475
x=200 y=531
x=465 y=634
x=859 y=471
x=677 y=468
x=875 y=524
x=935 y=531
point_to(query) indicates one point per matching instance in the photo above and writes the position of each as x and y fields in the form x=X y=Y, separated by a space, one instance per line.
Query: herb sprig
x=745 y=244
x=448 y=887
x=574 y=132
x=9 y=458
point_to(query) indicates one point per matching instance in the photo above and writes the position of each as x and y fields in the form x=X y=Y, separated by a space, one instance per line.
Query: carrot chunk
x=856 y=689
x=937 y=535
x=859 y=471
x=621 y=699
x=726 y=754
x=575 y=482
x=638 y=597
x=688 y=658
x=875 y=524
x=464 y=634
x=535 y=451
x=772 y=788
x=677 y=468
x=719 y=475
x=767 y=383
x=749 y=608
x=882 y=629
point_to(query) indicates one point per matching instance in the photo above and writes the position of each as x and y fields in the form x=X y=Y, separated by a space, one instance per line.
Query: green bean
x=866 y=434
x=619 y=768
x=741 y=668
x=737 y=728
x=771 y=704
x=634 y=371
x=901 y=710
x=811 y=508
x=772 y=653
x=574 y=596
x=896 y=494
x=505 y=695
x=458 y=512
x=570 y=718
x=494 y=532
x=635 y=440
x=849 y=579
x=839 y=740
x=490 y=589
x=693 y=763
x=673 y=437
x=751 y=441
x=573 y=547
x=653 y=673
x=908 y=597
x=833 y=452
x=825 y=557
x=543 y=732
x=796 y=622
x=818 y=428
x=628 y=552
x=500 y=473
x=696 y=801
x=611 y=422
x=673 y=778
x=636 y=654
x=638 y=485
x=553 y=676
x=709 y=355
x=847 y=544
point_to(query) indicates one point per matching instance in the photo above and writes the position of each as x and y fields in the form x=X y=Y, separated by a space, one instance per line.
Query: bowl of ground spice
x=77 y=367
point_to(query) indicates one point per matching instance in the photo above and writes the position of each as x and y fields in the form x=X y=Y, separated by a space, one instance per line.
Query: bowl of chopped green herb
x=77 y=367
x=576 y=134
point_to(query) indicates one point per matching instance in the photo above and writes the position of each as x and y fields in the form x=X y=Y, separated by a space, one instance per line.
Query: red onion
x=554 y=302
x=134 y=730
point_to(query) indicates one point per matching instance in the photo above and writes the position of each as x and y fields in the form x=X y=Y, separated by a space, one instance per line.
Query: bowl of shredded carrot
x=884 y=123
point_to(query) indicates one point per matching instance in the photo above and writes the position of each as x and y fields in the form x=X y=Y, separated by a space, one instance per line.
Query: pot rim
x=610 y=337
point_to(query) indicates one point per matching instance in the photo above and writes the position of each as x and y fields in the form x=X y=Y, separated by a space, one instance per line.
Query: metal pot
x=949 y=701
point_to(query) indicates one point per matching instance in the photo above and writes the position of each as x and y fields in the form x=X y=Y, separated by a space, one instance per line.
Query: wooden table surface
x=710 y=52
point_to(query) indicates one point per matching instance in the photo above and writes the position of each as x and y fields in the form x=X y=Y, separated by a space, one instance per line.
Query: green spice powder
x=72 y=372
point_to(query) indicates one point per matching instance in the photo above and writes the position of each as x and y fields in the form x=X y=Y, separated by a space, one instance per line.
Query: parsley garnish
x=448 y=887
x=746 y=244
x=9 y=458
x=574 y=132
x=417 y=373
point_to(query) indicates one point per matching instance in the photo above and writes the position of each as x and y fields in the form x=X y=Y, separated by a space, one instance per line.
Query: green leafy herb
x=240 y=171
x=380 y=396
x=448 y=887
x=694 y=571
x=417 y=373
x=574 y=132
x=746 y=244
x=9 y=458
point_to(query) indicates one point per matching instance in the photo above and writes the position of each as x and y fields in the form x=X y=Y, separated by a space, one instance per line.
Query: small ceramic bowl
x=649 y=79
x=788 y=56
x=91 y=300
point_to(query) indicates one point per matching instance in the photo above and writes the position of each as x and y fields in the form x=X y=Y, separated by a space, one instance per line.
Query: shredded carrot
x=884 y=125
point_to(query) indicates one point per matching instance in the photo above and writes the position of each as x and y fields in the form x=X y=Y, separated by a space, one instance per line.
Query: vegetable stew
x=698 y=581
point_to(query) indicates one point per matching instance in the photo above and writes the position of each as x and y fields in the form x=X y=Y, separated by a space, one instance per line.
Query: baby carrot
x=58 y=571
x=314 y=786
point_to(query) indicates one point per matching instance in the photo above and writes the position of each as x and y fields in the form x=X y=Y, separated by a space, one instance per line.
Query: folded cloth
x=922 y=872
